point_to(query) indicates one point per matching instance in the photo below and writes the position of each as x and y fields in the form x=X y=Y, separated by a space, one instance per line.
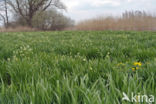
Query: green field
x=76 y=67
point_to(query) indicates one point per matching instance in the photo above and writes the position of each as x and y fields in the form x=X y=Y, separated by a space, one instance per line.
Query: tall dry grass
x=134 y=20
x=17 y=29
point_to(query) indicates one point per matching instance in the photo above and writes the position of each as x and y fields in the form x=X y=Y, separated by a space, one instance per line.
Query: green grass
x=76 y=67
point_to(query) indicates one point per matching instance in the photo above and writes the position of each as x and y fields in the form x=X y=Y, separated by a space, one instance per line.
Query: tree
x=27 y=9
x=4 y=12
x=51 y=20
x=48 y=20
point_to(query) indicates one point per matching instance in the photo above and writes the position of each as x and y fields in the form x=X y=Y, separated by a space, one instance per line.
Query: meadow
x=76 y=67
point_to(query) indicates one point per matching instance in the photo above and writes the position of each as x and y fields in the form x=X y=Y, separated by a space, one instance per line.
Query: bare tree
x=28 y=8
x=4 y=12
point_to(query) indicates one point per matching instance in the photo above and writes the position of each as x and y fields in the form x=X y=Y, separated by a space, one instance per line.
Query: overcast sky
x=84 y=9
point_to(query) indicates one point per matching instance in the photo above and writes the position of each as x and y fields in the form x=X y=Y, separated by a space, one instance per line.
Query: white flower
x=84 y=59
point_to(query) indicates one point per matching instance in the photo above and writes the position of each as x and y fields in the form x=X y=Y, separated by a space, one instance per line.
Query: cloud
x=71 y=4
x=92 y=3
x=98 y=3
x=83 y=9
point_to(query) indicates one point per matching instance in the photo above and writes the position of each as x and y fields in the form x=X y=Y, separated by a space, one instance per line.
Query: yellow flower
x=137 y=68
x=137 y=64
x=133 y=69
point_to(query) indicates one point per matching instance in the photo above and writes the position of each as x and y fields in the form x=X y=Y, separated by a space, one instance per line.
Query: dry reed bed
x=129 y=21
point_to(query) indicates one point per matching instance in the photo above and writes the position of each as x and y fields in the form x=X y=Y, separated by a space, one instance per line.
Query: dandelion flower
x=137 y=68
x=137 y=64
x=133 y=69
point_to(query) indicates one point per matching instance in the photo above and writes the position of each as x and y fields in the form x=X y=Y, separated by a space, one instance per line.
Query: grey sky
x=84 y=9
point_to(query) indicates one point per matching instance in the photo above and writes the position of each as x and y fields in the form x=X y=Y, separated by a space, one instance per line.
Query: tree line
x=40 y=14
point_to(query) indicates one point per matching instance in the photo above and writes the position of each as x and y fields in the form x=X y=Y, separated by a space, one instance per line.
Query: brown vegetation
x=134 y=20
x=17 y=29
